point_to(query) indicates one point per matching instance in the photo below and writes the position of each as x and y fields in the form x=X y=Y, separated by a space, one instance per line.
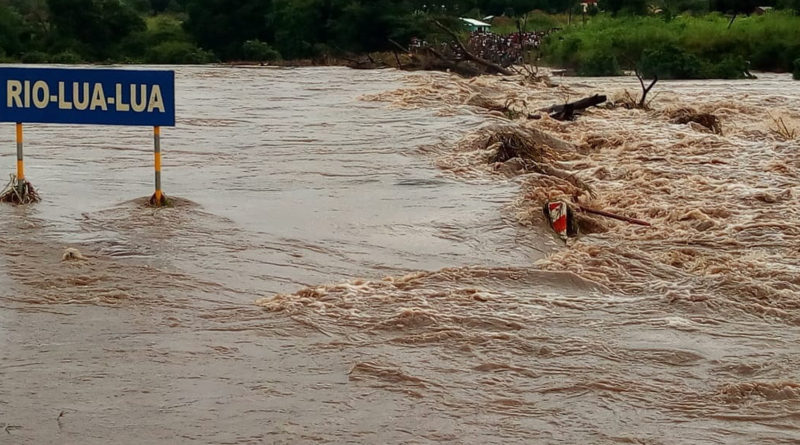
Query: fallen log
x=566 y=112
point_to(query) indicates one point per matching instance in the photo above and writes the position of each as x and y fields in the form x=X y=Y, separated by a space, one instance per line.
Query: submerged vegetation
x=684 y=39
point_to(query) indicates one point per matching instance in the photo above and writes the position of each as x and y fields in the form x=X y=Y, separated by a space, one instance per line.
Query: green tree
x=300 y=25
x=11 y=28
x=96 y=27
x=368 y=26
x=224 y=25
x=36 y=16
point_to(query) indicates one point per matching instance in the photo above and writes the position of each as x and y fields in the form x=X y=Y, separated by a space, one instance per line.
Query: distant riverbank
x=684 y=47
x=668 y=44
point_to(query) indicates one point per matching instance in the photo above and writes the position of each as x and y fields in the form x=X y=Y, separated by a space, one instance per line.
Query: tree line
x=199 y=31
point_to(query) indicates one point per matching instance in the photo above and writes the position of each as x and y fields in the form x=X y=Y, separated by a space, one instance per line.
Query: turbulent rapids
x=723 y=201
x=367 y=261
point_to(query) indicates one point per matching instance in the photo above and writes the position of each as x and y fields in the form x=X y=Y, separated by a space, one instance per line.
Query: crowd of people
x=504 y=50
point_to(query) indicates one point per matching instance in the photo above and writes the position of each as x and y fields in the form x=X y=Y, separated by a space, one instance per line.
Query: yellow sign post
x=158 y=198
x=20 y=161
x=18 y=190
x=85 y=96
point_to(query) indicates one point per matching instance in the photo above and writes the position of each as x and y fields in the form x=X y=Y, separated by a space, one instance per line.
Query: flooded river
x=338 y=268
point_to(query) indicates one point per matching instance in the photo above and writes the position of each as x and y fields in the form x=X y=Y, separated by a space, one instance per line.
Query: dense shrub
x=768 y=54
x=730 y=67
x=66 y=57
x=600 y=64
x=259 y=51
x=701 y=46
x=96 y=26
x=34 y=57
x=796 y=73
x=670 y=62
x=160 y=30
x=178 y=53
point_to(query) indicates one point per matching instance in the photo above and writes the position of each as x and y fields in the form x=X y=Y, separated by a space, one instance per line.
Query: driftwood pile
x=19 y=191
x=517 y=150
x=689 y=115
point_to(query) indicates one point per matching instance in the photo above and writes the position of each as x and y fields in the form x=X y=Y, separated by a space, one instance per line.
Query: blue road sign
x=87 y=96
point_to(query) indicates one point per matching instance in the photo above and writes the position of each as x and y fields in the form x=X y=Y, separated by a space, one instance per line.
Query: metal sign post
x=20 y=160
x=158 y=197
x=86 y=96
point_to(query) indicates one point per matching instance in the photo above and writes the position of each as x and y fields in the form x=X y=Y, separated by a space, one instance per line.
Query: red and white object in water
x=558 y=217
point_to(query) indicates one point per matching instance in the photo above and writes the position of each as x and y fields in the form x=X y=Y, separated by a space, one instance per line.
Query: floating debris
x=19 y=191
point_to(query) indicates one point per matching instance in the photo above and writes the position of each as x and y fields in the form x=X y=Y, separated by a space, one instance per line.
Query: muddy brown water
x=320 y=280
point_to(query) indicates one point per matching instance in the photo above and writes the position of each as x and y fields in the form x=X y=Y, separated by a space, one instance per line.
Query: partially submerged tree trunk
x=630 y=102
x=645 y=90
x=567 y=112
